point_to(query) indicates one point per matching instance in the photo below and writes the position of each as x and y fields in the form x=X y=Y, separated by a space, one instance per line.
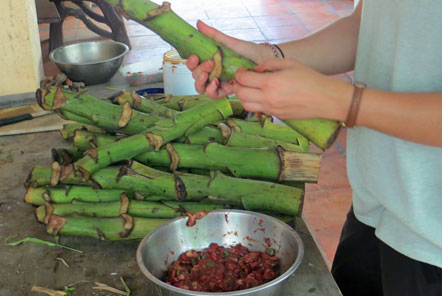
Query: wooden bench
x=55 y=12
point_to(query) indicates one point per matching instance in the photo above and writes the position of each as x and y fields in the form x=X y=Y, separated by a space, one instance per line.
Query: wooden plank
x=47 y=12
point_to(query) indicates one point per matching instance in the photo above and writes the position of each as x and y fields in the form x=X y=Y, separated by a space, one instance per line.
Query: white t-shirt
x=398 y=184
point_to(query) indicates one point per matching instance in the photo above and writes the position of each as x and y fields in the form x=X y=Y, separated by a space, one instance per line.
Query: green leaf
x=68 y=290
x=128 y=292
x=39 y=241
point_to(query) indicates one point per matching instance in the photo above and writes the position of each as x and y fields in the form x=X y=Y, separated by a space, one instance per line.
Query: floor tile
x=129 y=22
x=44 y=35
x=263 y=9
x=191 y=13
x=246 y=34
x=342 y=76
x=227 y=12
x=98 y=24
x=139 y=42
x=329 y=239
x=332 y=173
x=50 y=68
x=268 y=21
x=341 y=141
x=320 y=17
x=222 y=4
x=339 y=147
x=69 y=34
x=265 y=2
x=341 y=4
x=185 y=3
x=344 y=12
x=300 y=1
x=327 y=208
x=71 y=21
x=235 y=23
x=86 y=34
x=285 y=32
x=139 y=30
x=142 y=55
x=331 y=151
x=44 y=50
x=43 y=27
x=313 y=27
x=308 y=6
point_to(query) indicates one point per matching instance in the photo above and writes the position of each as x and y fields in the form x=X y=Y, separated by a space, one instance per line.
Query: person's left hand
x=288 y=89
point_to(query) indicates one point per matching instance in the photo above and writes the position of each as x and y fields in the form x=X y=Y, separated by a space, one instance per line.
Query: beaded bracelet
x=277 y=51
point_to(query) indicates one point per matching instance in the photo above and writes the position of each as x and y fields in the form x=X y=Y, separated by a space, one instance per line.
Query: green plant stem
x=273 y=164
x=69 y=194
x=114 y=229
x=100 y=113
x=182 y=124
x=144 y=105
x=68 y=130
x=233 y=138
x=155 y=185
x=181 y=35
x=321 y=132
x=249 y=194
x=143 y=209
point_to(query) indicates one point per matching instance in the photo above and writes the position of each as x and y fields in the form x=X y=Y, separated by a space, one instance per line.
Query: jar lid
x=172 y=56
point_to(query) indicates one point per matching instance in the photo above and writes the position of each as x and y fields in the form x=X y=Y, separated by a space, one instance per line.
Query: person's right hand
x=200 y=72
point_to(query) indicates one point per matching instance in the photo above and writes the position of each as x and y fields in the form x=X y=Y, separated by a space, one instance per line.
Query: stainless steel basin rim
x=251 y=291
x=52 y=55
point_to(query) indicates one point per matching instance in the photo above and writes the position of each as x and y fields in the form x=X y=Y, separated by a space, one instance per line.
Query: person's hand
x=288 y=89
x=217 y=89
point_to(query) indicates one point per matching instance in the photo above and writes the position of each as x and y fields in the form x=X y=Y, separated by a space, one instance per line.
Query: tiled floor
x=327 y=202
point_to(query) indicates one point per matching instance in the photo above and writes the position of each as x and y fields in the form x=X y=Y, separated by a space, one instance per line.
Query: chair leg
x=55 y=35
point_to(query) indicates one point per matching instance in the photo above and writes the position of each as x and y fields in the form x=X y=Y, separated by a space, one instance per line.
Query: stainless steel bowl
x=90 y=62
x=224 y=227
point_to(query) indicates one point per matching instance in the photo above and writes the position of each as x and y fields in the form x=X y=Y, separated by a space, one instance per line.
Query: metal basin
x=224 y=227
x=90 y=62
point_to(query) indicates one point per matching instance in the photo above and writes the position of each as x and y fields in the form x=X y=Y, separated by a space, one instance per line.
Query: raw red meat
x=220 y=269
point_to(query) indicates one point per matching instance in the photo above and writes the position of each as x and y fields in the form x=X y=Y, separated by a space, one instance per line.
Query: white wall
x=21 y=67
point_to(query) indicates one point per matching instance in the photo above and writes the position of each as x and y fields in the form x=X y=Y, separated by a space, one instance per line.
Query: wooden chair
x=55 y=12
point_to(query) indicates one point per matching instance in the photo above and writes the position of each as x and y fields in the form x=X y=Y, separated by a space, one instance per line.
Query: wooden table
x=102 y=261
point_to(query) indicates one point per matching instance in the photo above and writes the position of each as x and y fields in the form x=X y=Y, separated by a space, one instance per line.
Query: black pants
x=364 y=265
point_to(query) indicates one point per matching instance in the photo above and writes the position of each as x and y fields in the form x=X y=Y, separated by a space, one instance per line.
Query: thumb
x=241 y=47
x=273 y=65
x=214 y=33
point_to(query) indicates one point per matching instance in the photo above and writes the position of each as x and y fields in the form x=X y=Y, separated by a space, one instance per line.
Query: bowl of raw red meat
x=222 y=252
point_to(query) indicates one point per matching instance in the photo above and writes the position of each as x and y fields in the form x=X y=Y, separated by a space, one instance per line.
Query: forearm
x=414 y=117
x=331 y=50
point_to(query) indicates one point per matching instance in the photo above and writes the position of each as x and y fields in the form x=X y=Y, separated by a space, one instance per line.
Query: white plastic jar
x=178 y=80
